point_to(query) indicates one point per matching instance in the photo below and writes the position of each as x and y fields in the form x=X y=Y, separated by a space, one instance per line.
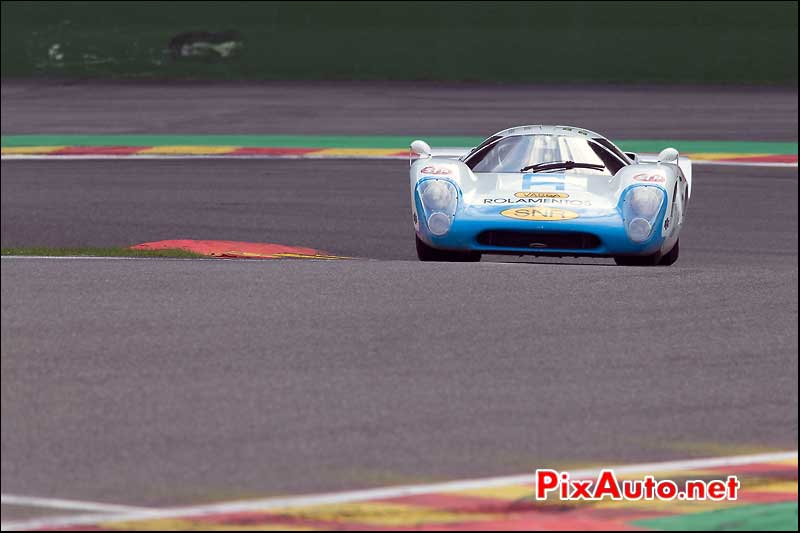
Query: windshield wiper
x=567 y=165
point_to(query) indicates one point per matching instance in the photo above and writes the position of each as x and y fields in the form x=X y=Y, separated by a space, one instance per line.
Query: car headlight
x=438 y=195
x=439 y=223
x=439 y=199
x=639 y=229
x=640 y=209
x=645 y=201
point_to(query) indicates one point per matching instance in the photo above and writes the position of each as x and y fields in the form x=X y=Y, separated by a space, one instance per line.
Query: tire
x=670 y=257
x=637 y=260
x=427 y=253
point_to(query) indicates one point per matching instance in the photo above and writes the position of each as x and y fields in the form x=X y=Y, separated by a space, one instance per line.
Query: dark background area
x=664 y=42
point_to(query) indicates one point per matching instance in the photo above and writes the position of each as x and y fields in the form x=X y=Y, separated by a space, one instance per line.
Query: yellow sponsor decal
x=539 y=213
x=541 y=194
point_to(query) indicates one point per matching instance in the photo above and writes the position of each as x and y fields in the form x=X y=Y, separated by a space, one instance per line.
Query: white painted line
x=212 y=259
x=145 y=157
x=107 y=258
x=744 y=164
x=73 y=505
x=271 y=504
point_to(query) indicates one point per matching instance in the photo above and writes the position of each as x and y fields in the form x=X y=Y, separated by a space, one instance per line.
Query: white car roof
x=544 y=129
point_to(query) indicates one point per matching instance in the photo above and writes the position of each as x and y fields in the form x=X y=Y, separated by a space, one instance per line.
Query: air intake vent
x=535 y=240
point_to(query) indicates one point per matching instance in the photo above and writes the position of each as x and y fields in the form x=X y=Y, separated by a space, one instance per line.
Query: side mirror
x=633 y=156
x=421 y=148
x=668 y=155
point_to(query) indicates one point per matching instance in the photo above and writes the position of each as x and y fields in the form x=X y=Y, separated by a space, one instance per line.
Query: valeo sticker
x=539 y=213
x=525 y=194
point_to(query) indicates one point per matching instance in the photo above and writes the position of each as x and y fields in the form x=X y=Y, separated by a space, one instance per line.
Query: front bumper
x=588 y=235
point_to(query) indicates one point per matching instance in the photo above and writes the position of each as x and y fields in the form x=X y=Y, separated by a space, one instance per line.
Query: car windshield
x=513 y=153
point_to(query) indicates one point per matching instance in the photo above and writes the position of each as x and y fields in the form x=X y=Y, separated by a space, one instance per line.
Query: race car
x=549 y=190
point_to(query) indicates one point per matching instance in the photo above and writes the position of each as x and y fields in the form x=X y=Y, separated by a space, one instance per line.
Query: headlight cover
x=640 y=209
x=645 y=201
x=439 y=199
x=639 y=229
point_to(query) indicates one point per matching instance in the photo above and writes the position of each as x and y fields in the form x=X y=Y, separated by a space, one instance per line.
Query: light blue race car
x=549 y=190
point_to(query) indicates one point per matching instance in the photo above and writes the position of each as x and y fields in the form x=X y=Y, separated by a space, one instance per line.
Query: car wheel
x=671 y=256
x=427 y=253
x=637 y=260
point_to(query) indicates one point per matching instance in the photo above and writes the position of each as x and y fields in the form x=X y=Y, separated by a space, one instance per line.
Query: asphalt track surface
x=738 y=215
x=161 y=382
x=372 y=108
x=155 y=382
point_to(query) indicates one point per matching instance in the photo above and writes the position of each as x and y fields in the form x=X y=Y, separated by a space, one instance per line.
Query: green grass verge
x=97 y=252
x=762 y=517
